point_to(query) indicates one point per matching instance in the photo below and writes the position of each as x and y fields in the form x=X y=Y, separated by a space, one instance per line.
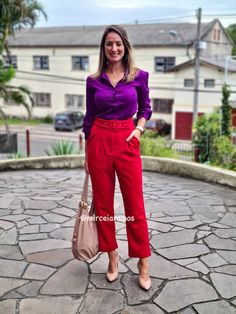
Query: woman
x=114 y=94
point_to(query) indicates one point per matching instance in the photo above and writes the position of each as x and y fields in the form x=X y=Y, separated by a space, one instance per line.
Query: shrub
x=150 y=134
x=156 y=146
x=226 y=109
x=63 y=147
x=47 y=119
x=224 y=153
x=18 y=155
x=207 y=128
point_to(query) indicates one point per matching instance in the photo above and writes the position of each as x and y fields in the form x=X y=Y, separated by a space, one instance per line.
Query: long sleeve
x=90 y=108
x=144 y=102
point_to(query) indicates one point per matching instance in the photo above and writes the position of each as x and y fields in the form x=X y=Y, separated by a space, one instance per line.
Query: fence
x=34 y=141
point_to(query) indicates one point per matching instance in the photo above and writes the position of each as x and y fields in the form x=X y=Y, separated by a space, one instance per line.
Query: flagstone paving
x=192 y=229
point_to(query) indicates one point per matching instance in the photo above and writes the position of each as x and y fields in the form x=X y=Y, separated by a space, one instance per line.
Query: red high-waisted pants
x=108 y=153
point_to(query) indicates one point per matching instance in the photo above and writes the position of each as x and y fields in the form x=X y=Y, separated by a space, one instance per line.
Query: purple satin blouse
x=120 y=102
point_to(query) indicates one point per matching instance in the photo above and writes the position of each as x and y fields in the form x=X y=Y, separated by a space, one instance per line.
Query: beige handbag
x=85 y=238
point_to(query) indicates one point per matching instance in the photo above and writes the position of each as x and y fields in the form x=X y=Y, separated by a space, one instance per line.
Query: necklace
x=115 y=80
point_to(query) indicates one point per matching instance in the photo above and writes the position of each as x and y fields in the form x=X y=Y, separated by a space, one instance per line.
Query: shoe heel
x=113 y=276
x=144 y=284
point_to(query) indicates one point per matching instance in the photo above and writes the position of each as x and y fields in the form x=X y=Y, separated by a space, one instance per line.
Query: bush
x=47 y=119
x=150 y=134
x=207 y=128
x=63 y=147
x=18 y=155
x=156 y=146
x=224 y=153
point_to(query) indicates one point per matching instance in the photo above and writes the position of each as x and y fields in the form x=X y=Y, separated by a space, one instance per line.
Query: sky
x=104 y=12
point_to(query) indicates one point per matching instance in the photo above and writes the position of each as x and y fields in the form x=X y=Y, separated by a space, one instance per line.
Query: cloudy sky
x=103 y=12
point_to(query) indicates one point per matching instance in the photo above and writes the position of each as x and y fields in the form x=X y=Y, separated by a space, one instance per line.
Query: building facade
x=54 y=62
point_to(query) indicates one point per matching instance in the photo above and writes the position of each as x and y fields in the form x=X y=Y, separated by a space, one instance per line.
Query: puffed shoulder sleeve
x=90 y=107
x=144 y=102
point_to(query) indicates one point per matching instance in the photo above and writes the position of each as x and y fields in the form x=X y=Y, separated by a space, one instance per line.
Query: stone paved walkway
x=192 y=228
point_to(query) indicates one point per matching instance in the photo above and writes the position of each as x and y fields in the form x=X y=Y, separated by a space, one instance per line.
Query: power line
x=190 y=16
x=224 y=15
x=188 y=90
x=158 y=87
x=52 y=76
x=49 y=78
x=161 y=19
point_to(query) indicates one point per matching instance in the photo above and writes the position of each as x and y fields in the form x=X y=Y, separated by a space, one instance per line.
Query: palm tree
x=14 y=15
x=10 y=93
x=17 y=14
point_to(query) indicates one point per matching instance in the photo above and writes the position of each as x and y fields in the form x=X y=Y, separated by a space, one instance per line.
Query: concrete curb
x=190 y=170
x=156 y=164
x=45 y=162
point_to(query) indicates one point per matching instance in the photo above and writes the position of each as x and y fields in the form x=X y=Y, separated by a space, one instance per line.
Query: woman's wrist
x=140 y=128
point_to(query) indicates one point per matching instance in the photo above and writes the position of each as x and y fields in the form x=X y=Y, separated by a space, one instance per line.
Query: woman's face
x=114 y=47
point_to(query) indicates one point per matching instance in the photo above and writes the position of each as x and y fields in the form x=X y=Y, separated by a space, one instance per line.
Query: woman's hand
x=136 y=132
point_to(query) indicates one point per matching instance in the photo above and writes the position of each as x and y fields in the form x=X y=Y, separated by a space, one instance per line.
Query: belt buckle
x=114 y=126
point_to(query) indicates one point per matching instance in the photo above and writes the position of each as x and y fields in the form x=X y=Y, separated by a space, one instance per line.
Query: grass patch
x=21 y=121
x=17 y=121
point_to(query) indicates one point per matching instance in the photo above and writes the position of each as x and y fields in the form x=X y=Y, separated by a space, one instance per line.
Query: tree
x=231 y=30
x=14 y=15
x=207 y=128
x=10 y=93
x=226 y=109
x=17 y=14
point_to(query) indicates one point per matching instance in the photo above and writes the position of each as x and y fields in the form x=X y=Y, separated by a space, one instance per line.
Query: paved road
x=192 y=229
x=42 y=137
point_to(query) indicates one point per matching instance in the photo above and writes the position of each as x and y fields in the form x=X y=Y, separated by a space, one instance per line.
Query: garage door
x=183 y=125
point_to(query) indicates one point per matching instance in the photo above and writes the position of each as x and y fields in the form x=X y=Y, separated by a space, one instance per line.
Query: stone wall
x=162 y=165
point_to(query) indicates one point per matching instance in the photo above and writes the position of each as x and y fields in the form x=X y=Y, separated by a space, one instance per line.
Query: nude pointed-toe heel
x=113 y=276
x=144 y=284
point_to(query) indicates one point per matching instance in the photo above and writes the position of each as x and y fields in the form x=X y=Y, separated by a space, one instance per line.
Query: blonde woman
x=115 y=93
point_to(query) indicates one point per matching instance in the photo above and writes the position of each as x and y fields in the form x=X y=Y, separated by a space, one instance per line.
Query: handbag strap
x=84 y=196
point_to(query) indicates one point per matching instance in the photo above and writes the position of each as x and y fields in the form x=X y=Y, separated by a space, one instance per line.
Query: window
x=188 y=82
x=164 y=63
x=209 y=83
x=41 y=62
x=42 y=99
x=10 y=60
x=80 y=63
x=163 y=105
x=74 y=101
x=216 y=35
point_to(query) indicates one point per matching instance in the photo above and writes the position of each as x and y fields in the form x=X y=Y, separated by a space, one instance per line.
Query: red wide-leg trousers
x=108 y=154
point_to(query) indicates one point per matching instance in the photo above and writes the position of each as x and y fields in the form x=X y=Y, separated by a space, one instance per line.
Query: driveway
x=192 y=227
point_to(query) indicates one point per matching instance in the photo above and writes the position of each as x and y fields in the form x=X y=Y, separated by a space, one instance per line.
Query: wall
x=217 y=48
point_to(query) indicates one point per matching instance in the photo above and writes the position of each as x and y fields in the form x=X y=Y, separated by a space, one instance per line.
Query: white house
x=54 y=62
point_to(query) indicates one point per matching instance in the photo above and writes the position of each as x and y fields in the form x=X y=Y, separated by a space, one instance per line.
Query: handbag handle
x=84 y=196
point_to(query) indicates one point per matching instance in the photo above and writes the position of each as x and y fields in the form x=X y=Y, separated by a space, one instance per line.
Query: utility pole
x=197 y=65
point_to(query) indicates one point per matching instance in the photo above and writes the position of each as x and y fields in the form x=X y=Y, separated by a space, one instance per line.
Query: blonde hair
x=128 y=63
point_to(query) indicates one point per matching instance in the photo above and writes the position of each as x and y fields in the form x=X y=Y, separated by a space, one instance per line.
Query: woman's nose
x=114 y=47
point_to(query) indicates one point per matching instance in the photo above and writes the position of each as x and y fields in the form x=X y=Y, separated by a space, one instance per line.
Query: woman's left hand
x=136 y=132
